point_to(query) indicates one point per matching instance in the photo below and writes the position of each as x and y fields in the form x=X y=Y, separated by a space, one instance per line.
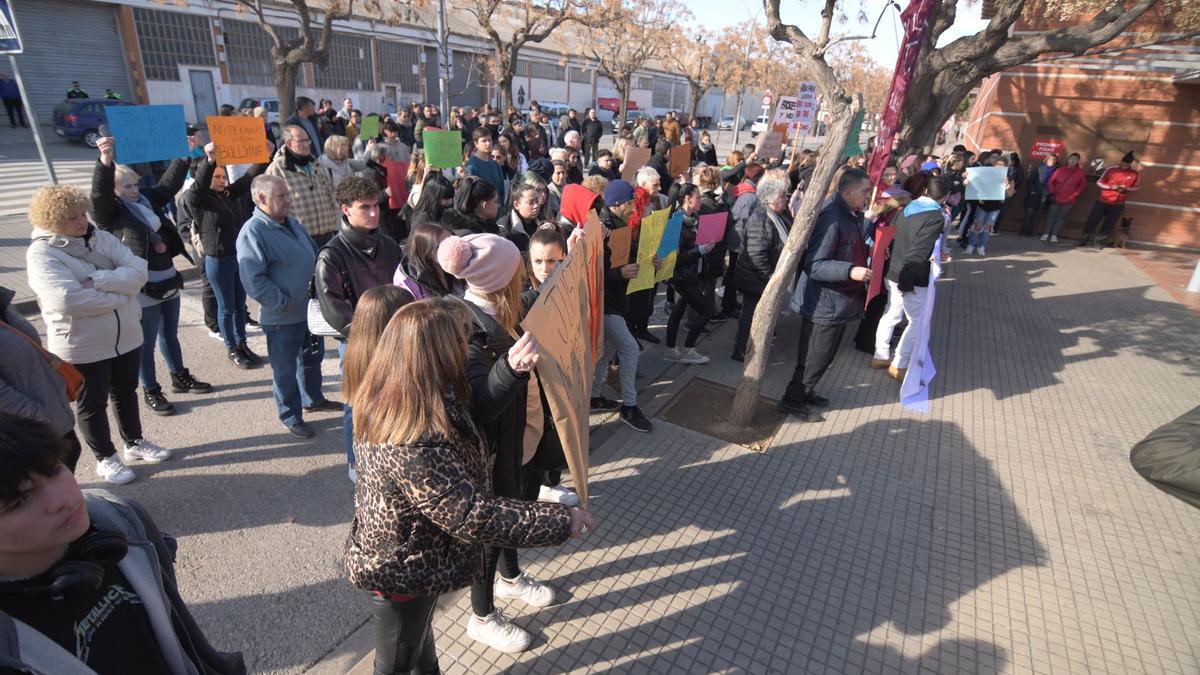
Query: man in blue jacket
x=276 y=258
x=11 y=94
x=831 y=289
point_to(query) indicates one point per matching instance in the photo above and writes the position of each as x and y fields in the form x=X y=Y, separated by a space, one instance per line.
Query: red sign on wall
x=1044 y=147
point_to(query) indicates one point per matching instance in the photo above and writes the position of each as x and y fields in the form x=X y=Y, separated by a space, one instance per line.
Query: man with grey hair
x=766 y=230
x=276 y=258
x=649 y=180
x=308 y=184
x=573 y=140
x=831 y=290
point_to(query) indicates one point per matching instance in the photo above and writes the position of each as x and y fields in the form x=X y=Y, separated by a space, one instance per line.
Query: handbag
x=317 y=325
x=164 y=290
x=72 y=378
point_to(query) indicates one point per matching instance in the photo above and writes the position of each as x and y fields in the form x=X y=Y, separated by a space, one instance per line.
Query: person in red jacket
x=1065 y=186
x=1116 y=183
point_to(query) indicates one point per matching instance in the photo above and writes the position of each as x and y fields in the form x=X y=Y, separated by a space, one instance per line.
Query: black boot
x=158 y=404
x=254 y=359
x=183 y=381
x=237 y=358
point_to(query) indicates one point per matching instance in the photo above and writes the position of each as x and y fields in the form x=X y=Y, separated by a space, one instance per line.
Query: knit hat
x=929 y=166
x=1128 y=158
x=485 y=261
x=544 y=168
x=617 y=192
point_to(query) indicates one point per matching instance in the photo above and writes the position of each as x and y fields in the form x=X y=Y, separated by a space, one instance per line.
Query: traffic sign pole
x=33 y=123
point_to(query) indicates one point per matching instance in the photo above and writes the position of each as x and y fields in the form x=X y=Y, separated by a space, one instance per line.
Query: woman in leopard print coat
x=423 y=502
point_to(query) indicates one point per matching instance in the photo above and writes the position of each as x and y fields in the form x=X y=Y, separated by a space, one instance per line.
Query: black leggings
x=509 y=479
x=404 y=636
x=115 y=378
x=688 y=294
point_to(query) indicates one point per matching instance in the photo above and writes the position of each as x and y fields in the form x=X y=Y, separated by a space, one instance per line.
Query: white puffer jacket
x=86 y=325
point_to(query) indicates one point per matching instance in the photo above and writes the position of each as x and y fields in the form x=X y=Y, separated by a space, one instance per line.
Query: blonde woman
x=337 y=160
x=87 y=283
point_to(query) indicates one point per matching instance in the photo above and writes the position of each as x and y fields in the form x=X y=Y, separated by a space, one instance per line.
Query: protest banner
x=443 y=149
x=149 y=133
x=668 y=247
x=770 y=145
x=648 y=239
x=914 y=391
x=681 y=160
x=711 y=227
x=620 y=241
x=806 y=108
x=397 y=179
x=635 y=158
x=853 y=148
x=785 y=111
x=238 y=140
x=1044 y=147
x=370 y=127
x=883 y=239
x=986 y=183
x=566 y=361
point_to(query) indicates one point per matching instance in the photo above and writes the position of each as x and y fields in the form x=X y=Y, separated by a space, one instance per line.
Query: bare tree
x=625 y=35
x=511 y=25
x=696 y=59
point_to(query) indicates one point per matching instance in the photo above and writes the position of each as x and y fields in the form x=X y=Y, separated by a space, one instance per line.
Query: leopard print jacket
x=424 y=510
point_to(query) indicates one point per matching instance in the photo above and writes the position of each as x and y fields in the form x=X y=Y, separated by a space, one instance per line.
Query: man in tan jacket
x=308 y=184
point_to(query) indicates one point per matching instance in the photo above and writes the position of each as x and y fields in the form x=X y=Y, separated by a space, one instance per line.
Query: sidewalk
x=1003 y=532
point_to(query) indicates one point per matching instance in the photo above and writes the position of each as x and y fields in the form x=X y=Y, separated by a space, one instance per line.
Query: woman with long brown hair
x=423 y=504
x=371 y=315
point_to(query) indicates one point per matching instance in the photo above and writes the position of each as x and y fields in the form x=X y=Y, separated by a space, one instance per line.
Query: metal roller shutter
x=65 y=41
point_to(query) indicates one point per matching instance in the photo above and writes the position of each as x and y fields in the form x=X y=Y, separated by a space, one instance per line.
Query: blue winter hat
x=929 y=166
x=617 y=192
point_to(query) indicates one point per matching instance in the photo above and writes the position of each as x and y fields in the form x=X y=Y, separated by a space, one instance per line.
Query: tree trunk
x=285 y=86
x=928 y=103
x=765 y=315
x=696 y=96
x=623 y=104
x=506 y=93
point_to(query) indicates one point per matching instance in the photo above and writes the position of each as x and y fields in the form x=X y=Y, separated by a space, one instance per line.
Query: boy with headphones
x=87 y=581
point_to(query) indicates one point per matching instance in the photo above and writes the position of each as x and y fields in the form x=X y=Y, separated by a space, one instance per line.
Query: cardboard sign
x=239 y=140
x=149 y=133
x=986 y=183
x=593 y=231
x=635 y=158
x=370 y=127
x=397 y=179
x=648 y=240
x=711 y=227
x=566 y=362
x=620 y=241
x=770 y=145
x=1044 y=147
x=785 y=111
x=668 y=247
x=883 y=239
x=681 y=160
x=806 y=108
x=443 y=149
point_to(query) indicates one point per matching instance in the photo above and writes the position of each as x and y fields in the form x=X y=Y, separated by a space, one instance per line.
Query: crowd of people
x=457 y=465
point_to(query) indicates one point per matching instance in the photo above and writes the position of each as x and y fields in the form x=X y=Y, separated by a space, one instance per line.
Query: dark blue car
x=79 y=119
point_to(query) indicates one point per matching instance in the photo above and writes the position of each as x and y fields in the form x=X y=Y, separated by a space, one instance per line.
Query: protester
x=87 y=285
x=480 y=162
x=988 y=214
x=763 y=230
x=1037 y=194
x=310 y=189
x=672 y=130
x=476 y=206
x=605 y=166
x=882 y=216
x=918 y=229
x=89 y=582
x=424 y=509
x=11 y=94
x=592 y=130
x=1115 y=185
x=521 y=222
x=306 y=119
x=276 y=258
x=132 y=214
x=217 y=217
x=687 y=284
x=830 y=290
x=1064 y=188
x=337 y=160
x=704 y=151
x=437 y=198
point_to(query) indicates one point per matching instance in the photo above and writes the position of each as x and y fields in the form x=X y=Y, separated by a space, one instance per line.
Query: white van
x=762 y=124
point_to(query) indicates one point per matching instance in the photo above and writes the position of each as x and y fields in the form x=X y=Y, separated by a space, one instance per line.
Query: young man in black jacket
x=832 y=287
x=592 y=131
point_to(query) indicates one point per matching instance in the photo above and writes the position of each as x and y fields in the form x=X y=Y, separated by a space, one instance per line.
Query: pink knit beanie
x=487 y=262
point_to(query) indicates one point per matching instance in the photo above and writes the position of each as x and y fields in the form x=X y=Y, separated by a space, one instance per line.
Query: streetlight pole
x=443 y=62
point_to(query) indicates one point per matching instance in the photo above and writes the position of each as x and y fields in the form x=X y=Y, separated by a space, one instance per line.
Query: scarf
x=295 y=162
x=149 y=218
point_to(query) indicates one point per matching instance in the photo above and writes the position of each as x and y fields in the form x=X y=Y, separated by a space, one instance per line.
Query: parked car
x=271 y=104
x=79 y=119
x=632 y=119
x=762 y=124
x=730 y=122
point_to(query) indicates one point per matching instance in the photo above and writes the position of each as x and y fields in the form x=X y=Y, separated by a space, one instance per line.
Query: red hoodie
x=1113 y=178
x=576 y=203
x=1067 y=183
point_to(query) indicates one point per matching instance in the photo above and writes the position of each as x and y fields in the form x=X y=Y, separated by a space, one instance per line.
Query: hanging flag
x=914 y=391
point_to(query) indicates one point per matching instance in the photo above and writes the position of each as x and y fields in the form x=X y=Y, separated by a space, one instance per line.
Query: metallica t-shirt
x=107 y=629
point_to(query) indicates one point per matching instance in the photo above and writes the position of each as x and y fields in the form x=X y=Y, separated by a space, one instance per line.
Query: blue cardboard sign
x=670 y=240
x=148 y=133
x=10 y=37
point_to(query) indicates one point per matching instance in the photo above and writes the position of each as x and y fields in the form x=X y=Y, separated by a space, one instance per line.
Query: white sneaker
x=114 y=471
x=353 y=475
x=1045 y=237
x=693 y=357
x=214 y=335
x=150 y=453
x=981 y=251
x=558 y=495
x=673 y=354
x=496 y=631
x=1054 y=239
x=970 y=250
x=525 y=588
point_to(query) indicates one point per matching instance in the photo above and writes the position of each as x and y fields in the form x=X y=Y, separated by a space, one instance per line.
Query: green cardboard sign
x=443 y=149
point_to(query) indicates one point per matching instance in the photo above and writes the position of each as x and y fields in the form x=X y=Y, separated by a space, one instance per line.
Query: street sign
x=521 y=96
x=10 y=39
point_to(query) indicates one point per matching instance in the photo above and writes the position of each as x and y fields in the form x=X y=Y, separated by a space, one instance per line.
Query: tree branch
x=1105 y=26
x=257 y=7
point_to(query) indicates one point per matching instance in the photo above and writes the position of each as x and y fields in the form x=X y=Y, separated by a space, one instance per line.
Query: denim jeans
x=295 y=369
x=226 y=283
x=981 y=230
x=618 y=340
x=347 y=417
x=160 y=322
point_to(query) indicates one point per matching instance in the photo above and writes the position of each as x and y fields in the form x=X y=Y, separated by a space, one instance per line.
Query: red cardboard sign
x=1044 y=147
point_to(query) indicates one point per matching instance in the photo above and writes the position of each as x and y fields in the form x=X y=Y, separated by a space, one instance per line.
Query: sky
x=717 y=14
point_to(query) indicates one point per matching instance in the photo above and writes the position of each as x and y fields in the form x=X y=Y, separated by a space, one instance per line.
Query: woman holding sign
x=133 y=215
x=686 y=282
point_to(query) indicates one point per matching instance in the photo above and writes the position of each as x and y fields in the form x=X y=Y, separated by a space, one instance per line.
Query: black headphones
x=80 y=571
